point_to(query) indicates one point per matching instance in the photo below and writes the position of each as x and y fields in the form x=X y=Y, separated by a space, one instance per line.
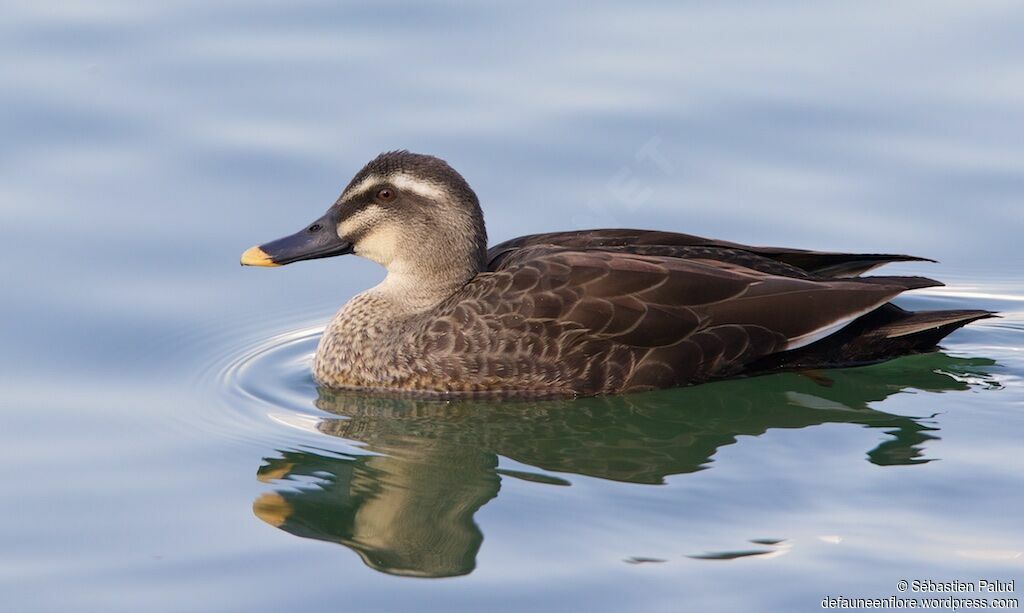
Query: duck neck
x=422 y=287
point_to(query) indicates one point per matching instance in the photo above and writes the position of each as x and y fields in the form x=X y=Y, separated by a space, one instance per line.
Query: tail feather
x=925 y=322
x=907 y=283
x=885 y=333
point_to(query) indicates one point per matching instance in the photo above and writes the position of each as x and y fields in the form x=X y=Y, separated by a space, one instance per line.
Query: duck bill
x=318 y=240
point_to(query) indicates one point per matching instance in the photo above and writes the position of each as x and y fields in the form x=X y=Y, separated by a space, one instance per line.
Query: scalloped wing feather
x=601 y=322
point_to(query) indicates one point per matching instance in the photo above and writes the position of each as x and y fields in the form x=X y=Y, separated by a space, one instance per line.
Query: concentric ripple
x=266 y=384
x=276 y=372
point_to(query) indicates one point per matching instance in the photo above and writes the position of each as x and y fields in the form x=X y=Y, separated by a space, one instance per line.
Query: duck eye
x=385 y=194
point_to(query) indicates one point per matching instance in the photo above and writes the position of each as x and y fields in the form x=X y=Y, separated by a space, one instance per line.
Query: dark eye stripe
x=369 y=193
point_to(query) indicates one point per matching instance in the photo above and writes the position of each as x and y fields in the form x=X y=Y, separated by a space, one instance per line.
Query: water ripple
x=265 y=384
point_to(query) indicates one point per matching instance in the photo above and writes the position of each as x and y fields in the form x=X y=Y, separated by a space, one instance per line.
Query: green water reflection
x=410 y=509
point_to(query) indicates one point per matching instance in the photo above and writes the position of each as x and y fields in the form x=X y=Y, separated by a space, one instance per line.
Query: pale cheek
x=360 y=222
x=378 y=246
x=346 y=229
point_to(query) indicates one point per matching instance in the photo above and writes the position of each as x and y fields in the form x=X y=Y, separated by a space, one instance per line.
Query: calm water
x=166 y=449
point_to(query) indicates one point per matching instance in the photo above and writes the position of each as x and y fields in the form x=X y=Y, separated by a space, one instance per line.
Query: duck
x=585 y=312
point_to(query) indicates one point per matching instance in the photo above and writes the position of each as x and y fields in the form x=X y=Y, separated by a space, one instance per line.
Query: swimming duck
x=585 y=312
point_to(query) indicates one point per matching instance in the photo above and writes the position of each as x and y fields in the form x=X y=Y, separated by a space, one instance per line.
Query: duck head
x=411 y=213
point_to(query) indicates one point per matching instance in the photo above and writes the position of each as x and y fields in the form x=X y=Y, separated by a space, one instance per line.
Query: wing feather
x=604 y=321
x=800 y=263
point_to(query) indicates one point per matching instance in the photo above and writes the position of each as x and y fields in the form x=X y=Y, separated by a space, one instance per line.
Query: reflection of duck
x=581 y=313
x=410 y=510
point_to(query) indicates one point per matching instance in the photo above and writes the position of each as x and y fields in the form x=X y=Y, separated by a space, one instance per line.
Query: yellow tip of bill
x=255 y=256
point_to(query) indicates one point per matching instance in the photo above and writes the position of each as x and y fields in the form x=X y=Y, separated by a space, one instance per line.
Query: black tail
x=907 y=283
x=885 y=333
x=927 y=328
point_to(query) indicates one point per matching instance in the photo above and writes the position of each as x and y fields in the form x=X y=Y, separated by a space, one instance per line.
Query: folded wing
x=613 y=320
x=776 y=260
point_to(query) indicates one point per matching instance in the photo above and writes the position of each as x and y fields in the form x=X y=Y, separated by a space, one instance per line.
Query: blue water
x=166 y=449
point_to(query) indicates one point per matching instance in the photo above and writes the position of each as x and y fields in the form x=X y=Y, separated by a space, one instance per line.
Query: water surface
x=167 y=449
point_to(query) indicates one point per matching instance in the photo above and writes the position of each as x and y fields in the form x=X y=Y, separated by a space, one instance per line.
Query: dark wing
x=798 y=263
x=600 y=321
